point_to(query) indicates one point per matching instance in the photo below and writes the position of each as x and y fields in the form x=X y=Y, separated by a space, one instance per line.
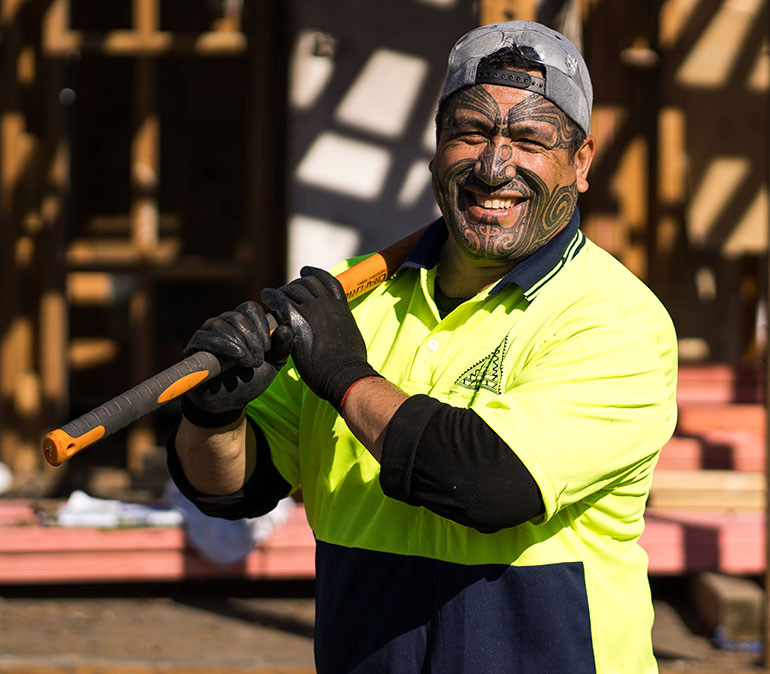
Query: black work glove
x=329 y=351
x=241 y=336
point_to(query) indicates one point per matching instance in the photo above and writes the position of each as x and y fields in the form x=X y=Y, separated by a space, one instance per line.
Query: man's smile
x=479 y=205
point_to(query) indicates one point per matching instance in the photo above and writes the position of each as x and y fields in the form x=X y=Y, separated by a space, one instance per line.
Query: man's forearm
x=369 y=406
x=444 y=458
x=216 y=461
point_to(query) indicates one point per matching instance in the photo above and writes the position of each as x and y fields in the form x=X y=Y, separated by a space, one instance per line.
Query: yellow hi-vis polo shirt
x=572 y=361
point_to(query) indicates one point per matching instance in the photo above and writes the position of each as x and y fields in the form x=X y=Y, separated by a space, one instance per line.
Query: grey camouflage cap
x=567 y=83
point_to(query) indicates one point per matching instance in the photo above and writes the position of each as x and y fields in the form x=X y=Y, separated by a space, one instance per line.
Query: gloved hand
x=243 y=336
x=329 y=351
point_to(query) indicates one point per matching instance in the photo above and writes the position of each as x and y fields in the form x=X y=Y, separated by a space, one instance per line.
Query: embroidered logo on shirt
x=487 y=373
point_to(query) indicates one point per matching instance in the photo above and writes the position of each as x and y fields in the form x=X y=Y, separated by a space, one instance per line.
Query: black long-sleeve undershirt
x=258 y=496
x=450 y=461
x=444 y=458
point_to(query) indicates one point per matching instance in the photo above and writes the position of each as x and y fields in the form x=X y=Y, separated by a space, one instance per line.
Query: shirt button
x=432 y=345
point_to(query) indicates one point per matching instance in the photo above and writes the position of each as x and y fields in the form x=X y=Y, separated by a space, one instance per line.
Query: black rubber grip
x=131 y=405
x=144 y=397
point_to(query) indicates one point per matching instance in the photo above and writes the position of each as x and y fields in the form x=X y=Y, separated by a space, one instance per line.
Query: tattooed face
x=505 y=173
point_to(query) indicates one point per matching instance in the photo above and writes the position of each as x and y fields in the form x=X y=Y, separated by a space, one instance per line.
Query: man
x=475 y=438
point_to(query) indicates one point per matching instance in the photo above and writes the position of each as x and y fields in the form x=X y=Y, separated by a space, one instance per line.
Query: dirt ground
x=232 y=628
x=205 y=625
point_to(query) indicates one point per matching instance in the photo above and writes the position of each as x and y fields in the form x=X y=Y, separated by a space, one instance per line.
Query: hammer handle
x=66 y=441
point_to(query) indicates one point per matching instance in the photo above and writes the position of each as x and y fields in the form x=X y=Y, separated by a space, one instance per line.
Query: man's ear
x=583 y=159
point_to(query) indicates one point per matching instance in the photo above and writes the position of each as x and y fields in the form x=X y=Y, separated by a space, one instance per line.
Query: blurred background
x=162 y=162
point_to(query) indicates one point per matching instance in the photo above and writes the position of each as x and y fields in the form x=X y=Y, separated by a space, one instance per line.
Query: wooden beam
x=12 y=128
x=54 y=321
x=145 y=158
x=709 y=480
x=90 y=288
x=491 y=11
x=145 y=166
x=146 y=16
x=766 y=607
x=264 y=232
x=106 y=254
x=29 y=555
x=54 y=189
x=683 y=541
x=132 y=668
x=737 y=450
x=132 y=43
x=88 y=352
x=230 y=20
x=565 y=16
x=703 y=489
x=730 y=607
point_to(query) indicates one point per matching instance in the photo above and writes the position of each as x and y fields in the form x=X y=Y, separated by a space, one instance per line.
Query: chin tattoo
x=544 y=214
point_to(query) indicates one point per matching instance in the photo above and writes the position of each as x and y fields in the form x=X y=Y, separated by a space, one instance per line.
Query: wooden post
x=766 y=630
x=53 y=310
x=145 y=144
x=566 y=17
x=491 y=11
x=230 y=20
x=11 y=132
x=671 y=186
x=264 y=232
x=145 y=165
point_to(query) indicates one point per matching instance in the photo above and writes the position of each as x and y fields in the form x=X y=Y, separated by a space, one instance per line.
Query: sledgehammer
x=63 y=443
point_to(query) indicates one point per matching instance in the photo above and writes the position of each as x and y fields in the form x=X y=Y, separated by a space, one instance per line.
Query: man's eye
x=473 y=136
x=531 y=142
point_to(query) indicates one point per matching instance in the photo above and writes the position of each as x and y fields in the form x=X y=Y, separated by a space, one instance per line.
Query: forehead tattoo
x=534 y=108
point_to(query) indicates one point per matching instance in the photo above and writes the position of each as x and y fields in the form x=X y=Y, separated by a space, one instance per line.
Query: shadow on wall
x=365 y=79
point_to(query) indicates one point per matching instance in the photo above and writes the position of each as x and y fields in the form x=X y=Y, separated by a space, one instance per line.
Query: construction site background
x=162 y=162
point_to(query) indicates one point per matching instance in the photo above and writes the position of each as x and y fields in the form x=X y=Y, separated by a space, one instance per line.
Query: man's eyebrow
x=470 y=115
x=475 y=104
x=535 y=110
x=545 y=128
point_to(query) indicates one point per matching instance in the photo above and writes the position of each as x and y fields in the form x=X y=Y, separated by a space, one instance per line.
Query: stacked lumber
x=706 y=507
x=34 y=554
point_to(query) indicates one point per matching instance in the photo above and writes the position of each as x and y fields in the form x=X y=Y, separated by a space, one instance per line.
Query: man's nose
x=496 y=166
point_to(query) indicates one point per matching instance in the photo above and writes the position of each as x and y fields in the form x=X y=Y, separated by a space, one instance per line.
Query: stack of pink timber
x=706 y=509
x=34 y=554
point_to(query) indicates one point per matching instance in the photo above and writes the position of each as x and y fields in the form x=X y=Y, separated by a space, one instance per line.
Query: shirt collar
x=426 y=251
x=527 y=274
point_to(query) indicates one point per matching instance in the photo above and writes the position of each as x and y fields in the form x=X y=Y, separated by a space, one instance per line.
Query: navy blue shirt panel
x=381 y=612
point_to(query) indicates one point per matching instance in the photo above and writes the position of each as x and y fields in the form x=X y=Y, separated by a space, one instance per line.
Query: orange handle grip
x=63 y=443
x=377 y=268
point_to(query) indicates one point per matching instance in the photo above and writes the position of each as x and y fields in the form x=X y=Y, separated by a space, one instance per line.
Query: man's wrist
x=344 y=378
x=350 y=388
x=207 y=419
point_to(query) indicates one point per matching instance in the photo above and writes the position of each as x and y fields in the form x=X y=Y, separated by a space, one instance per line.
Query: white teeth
x=497 y=203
